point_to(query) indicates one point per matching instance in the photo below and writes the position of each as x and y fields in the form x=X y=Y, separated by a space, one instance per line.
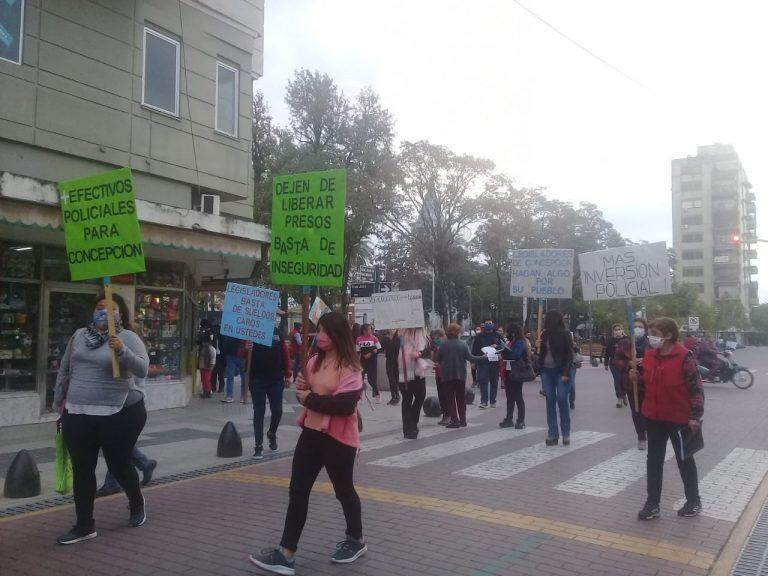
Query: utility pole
x=469 y=289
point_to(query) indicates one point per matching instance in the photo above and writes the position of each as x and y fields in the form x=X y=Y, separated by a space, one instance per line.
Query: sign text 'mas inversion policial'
x=101 y=226
x=627 y=272
x=308 y=228
x=542 y=273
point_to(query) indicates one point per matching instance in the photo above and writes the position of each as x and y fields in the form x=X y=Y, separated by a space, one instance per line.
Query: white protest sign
x=542 y=273
x=318 y=309
x=398 y=310
x=626 y=272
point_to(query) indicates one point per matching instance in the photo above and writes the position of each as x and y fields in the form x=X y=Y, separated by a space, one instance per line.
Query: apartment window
x=692 y=220
x=161 y=72
x=11 y=30
x=226 y=99
x=690 y=204
x=690 y=185
x=693 y=271
x=693 y=254
x=693 y=237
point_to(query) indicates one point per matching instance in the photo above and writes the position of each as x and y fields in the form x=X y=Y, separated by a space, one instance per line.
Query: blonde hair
x=414 y=338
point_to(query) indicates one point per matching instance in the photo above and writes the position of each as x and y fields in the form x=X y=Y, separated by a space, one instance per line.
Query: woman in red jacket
x=674 y=401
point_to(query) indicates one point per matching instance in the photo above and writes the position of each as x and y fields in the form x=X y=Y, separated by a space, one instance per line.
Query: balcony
x=751 y=270
x=750 y=254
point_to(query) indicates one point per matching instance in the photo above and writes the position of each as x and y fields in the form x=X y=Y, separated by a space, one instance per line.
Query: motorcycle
x=728 y=371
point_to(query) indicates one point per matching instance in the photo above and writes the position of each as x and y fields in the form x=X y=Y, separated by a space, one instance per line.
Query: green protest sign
x=101 y=227
x=308 y=228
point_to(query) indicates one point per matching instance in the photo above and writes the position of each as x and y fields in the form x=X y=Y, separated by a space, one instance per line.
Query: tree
x=730 y=314
x=759 y=317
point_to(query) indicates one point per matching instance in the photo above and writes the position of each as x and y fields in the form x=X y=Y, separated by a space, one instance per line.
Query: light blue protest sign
x=249 y=313
x=542 y=273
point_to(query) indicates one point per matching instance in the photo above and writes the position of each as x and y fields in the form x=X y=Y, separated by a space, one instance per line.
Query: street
x=475 y=501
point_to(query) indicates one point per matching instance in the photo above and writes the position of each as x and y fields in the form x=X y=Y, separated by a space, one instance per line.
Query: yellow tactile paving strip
x=613 y=540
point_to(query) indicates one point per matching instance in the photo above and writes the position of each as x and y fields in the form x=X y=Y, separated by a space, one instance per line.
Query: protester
x=219 y=370
x=436 y=338
x=488 y=373
x=270 y=374
x=616 y=364
x=233 y=350
x=391 y=344
x=295 y=348
x=623 y=358
x=141 y=462
x=206 y=362
x=329 y=439
x=368 y=346
x=452 y=357
x=475 y=333
x=412 y=379
x=673 y=408
x=517 y=349
x=100 y=411
x=556 y=351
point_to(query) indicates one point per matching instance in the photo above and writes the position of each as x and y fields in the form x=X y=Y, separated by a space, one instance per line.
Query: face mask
x=618 y=333
x=100 y=318
x=639 y=332
x=324 y=341
x=438 y=342
x=488 y=326
x=477 y=331
x=655 y=341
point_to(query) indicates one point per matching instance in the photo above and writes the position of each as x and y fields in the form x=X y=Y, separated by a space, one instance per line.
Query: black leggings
x=316 y=450
x=413 y=394
x=370 y=369
x=263 y=389
x=514 y=392
x=393 y=373
x=116 y=436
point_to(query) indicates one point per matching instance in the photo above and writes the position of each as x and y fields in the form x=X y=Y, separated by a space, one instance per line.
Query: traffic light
x=736 y=238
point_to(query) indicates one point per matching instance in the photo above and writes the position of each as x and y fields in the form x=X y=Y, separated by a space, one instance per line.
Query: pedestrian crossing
x=725 y=490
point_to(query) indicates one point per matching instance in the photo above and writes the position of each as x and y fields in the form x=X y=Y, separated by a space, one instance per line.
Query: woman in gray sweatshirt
x=453 y=356
x=100 y=411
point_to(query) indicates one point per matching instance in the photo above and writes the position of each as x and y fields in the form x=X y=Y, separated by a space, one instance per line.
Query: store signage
x=542 y=273
x=361 y=289
x=308 y=228
x=249 y=313
x=398 y=310
x=366 y=274
x=101 y=227
x=626 y=272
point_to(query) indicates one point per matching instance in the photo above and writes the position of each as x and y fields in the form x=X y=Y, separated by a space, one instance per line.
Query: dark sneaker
x=519 y=425
x=463 y=424
x=483 y=405
x=573 y=406
x=444 y=421
x=272 y=440
x=108 y=491
x=258 y=453
x=506 y=423
x=394 y=402
x=77 y=534
x=453 y=425
x=348 y=551
x=138 y=514
x=618 y=404
x=649 y=511
x=146 y=477
x=690 y=509
x=274 y=561
x=551 y=441
x=566 y=440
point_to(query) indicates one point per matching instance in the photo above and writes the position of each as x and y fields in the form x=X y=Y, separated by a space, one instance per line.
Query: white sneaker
x=642 y=444
x=228 y=400
x=483 y=406
x=377 y=398
x=493 y=404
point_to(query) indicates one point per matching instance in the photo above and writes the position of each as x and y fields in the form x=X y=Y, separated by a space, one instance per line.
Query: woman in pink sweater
x=329 y=391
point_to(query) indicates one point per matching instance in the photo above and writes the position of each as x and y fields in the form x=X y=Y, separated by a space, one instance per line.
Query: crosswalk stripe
x=397 y=438
x=610 y=477
x=729 y=486
x=451 y=448
x=521 y=460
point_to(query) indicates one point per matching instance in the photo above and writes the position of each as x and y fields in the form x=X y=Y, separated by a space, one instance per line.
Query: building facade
x=165 y=88
x=714 y=225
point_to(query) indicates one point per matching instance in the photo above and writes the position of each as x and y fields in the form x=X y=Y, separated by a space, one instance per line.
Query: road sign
x=693 y=323
x=384 y=287
x=366 y=274
x=361 y=289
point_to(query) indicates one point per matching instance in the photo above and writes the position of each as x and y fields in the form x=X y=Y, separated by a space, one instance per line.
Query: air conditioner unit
x=209 y=204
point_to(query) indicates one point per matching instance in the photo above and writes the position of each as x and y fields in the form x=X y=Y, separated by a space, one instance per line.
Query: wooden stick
x=633 y=352
x=305 y=331
x=540 y=322
x=111 y=324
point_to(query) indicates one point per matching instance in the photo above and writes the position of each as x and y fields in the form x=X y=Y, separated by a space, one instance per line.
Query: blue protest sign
x=249 y=313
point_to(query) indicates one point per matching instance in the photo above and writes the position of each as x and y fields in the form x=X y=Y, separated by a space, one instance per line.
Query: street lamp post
x=469 y=289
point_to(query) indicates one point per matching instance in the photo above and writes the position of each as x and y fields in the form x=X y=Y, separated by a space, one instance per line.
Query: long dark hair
x=553 y=322
x=336 y=326
x=514 y=332
x=557 y=336
x=125 y=315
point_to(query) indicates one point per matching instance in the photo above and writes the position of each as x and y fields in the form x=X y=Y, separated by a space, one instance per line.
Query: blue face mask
x=100 y=318
x=488 y=326
x=438 y=342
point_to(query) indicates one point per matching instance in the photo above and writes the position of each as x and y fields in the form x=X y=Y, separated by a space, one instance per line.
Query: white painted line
x=521 y=460
x=451 y=448
x=608 y=478
x=395 y=439
x=729 y=486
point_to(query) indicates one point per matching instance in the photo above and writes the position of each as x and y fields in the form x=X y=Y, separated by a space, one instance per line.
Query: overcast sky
x=488 y=79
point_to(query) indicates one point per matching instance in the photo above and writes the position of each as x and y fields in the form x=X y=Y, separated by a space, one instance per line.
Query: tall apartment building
x=86 y=86
x=714 y=217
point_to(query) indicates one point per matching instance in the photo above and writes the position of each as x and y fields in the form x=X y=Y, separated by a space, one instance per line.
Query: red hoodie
x=673 y=391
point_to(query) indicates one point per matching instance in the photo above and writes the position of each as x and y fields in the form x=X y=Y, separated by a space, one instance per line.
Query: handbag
x=63 y=464
x=522 y=371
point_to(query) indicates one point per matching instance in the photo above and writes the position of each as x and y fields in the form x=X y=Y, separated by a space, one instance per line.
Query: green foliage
x=759 y=317
x=730 y=314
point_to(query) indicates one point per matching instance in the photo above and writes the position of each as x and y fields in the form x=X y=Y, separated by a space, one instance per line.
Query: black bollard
x=230 y=444
x=469 y=394
x=432 y=407
x=23 y=478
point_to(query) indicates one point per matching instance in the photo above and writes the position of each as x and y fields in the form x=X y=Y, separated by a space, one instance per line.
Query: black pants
x=263 y=389
x=514 y=392
x=393 y=373
x=637 y=418
x=658 y=434
x=316 y=450
x=219 y=374
x=370 y=369
x=116 y=436
x=413 y=394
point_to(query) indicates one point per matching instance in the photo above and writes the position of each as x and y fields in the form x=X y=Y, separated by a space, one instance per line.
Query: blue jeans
x=557 y=393
x=138 y=459
x=234 y=365
x=263 y=389
x=488 y=379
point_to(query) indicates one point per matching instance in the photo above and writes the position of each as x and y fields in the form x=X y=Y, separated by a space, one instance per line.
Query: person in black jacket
x=556 y=352
x=391 y=344
x=488 y=373
x=615 y=364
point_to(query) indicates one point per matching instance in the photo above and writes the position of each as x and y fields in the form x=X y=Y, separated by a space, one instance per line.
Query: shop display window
x=158 y=322
x=19 y=261
x=19 y=310
x=162 y=275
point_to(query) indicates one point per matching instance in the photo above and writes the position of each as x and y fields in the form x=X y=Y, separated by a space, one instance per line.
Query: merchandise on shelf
x=158 y=321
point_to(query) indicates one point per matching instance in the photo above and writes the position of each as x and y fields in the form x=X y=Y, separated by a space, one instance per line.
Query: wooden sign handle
x=633 y=351
x=540 y=322
x=111 y=324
